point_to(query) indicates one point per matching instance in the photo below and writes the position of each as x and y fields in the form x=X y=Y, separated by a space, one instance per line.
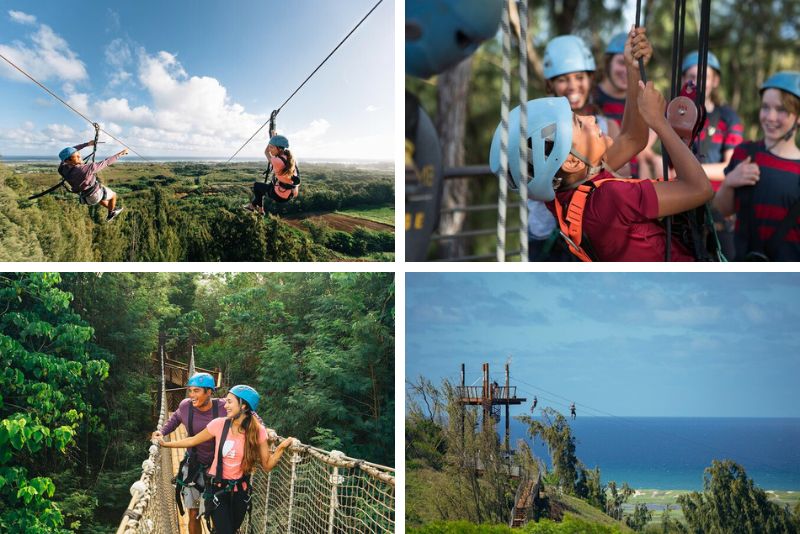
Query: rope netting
x=309 y=491
x=152 y=508
x=312 y=490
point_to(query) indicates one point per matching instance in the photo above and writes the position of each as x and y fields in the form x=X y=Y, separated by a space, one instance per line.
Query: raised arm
x=634 y=132
x=691 y=188
x=186 y=443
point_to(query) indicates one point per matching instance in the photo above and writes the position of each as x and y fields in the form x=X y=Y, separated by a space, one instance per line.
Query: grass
x=663 y=498
x=384 y=214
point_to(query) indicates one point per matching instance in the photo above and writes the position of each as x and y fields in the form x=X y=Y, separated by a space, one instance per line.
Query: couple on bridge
x=218 y=485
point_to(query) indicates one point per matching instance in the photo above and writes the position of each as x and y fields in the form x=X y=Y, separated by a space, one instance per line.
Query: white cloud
x=22 y=18
x=118 y=109
x=371 y=108
x=48 y=57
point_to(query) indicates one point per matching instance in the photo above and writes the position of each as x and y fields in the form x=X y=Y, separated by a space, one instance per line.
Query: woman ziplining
x=282 y=177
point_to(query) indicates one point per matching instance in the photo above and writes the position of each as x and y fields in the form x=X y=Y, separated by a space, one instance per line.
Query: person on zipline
x=195 y=413
x=762 y=181
x=284 y=184
x=82 y=178
x=722 y=132
x=572 y=411
x=240 y=442
x=569 y=154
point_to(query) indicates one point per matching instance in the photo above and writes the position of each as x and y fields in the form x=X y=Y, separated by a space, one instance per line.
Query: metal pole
x=507 y=410
x=463 y=408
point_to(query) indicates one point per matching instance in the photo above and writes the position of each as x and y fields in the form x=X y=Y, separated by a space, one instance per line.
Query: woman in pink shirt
x=284 y=185
x=240 y=443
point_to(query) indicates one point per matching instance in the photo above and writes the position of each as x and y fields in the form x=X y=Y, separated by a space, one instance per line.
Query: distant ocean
x=671 y=453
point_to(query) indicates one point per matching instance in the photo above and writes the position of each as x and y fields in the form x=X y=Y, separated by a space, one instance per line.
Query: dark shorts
x=261 y=189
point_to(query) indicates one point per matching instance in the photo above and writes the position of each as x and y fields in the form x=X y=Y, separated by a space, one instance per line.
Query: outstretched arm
x=270 y=459
x=186 y=443
x=634 y=133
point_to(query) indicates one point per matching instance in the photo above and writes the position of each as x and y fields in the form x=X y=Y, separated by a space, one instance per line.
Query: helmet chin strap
x=787 y=136
x=591 y=170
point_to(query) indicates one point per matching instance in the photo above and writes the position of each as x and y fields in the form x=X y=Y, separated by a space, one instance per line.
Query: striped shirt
x=761 y=208
x=723 y=130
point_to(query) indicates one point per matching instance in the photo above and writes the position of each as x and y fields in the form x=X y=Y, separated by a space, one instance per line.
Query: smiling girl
x=240 y=444
x=762 y=181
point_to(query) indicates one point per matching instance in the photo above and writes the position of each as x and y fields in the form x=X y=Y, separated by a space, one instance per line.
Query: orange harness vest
x=571 y=225
x=285 y=185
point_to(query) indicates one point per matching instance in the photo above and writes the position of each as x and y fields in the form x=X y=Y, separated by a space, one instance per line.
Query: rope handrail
x=84 y=117
x=275 y=112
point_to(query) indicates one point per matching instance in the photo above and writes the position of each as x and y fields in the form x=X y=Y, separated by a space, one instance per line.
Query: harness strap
x=225 y=429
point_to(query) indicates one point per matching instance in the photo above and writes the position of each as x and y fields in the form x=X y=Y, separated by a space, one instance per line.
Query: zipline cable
x=90 y=121
x=275 y=112
x=636 y=424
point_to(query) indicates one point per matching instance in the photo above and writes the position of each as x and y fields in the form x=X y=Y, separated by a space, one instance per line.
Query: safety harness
x=218 y=486
x=196 y=470
x=271 y=178
x=571 y=222
x=284 y=186
x=95 y=183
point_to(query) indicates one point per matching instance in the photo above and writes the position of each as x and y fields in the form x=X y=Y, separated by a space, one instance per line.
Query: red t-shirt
x=619 y=220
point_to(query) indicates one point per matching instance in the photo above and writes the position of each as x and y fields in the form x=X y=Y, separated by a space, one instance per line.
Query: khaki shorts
x=191 y=494
x=100 y=193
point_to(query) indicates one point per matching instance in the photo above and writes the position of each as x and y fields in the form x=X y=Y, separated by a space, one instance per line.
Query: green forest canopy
x=77 y=384
x=192 y=212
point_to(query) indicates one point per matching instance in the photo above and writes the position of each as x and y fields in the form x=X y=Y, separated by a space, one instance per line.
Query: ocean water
x=672 y=452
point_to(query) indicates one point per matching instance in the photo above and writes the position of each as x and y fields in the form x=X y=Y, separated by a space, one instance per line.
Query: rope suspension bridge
x=310 y=491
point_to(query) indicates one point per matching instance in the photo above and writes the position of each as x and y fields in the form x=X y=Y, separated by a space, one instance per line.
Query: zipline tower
x=491 y=397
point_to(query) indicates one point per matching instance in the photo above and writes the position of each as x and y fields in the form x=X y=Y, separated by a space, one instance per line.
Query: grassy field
x=658 y=500
x=383 y=214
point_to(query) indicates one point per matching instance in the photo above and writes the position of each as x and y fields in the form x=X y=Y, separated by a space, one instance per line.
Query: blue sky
x=630 y=344
x=198 y=77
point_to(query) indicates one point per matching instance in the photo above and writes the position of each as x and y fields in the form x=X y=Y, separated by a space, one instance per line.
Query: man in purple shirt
x=82 y=178
x=194 y=413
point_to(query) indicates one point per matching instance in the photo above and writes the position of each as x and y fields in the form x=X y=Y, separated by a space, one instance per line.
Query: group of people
x=281 y=183
x=606 y=130
x=598 y=125
x=227 y=440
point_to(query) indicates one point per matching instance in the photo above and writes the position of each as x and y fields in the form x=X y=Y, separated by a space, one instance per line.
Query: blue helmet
x=787 y=80
x=202 y=380
x=549 y=119
x=441 y=33
x=279 y=141
x=247 y=394
x=617 y=44
x=565 y=54
x=693 y=58
x=66 y=153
